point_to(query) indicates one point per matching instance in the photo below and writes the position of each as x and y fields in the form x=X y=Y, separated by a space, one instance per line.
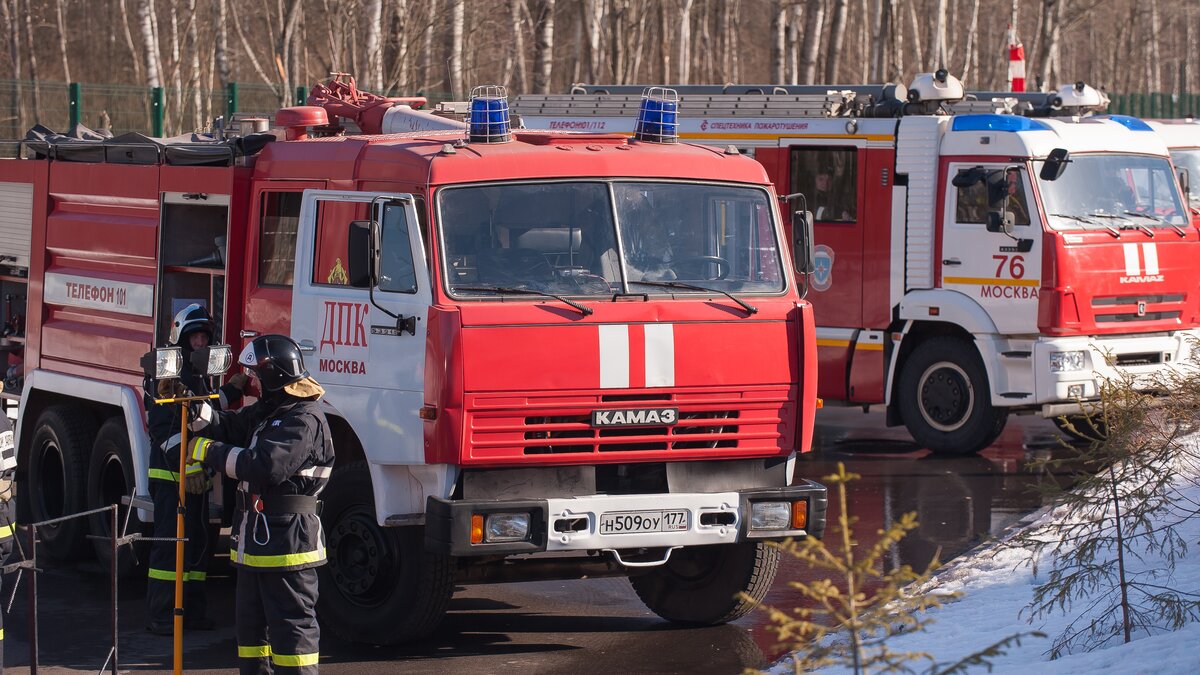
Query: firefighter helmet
x=190 y=319
x=276 y=359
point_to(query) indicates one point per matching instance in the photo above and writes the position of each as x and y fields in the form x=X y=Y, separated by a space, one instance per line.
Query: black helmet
x=276 y=359
x=190 y=319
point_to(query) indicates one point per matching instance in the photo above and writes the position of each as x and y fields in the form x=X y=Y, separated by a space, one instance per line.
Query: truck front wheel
x=58 y=460
x=945 y=400
x=701 y=585
x=379 y=586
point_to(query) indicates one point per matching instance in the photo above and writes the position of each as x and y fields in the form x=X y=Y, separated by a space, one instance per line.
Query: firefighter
x=281 y=451
x=828 y=204
x=8 y=511
x=191 y=329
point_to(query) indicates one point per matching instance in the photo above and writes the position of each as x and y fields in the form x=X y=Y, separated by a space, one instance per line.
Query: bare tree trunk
x=399 y=23
x=145 y=12
x=972 y=36
x=458 y=17
x=134 y=61
x=518 y=30
x=664 y=52
x=33 y=69
x=916 y=35
x=939 y=36
x=593 y=12
x=685 y=41
x=779 y=22
x=792 y=45
x=221 y=46
x=1155 y=59
x=837 y=37
x=198 y=121
x=374 y=71
x=427 y=60
x=897 y=42
x=13 y=30
x=881 y=40
x=544 y=48
x=285 y=53
x=62 y=40
x=814 y=25
x=1052 y=16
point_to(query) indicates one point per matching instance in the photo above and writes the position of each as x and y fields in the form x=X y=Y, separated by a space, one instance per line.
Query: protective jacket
x=282 y=454
x=163 y=422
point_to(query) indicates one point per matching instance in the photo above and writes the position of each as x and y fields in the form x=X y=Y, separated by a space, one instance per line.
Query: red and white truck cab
x=1183 y=140
x=971 y=263
x=554 y=356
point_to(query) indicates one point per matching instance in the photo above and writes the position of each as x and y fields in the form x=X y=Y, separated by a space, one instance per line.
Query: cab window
x=828 y=178
x=279 y=219
x=994 y=194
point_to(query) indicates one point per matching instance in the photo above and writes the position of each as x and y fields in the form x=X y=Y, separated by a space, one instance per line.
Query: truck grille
x=1124 y=308
x=743 y=422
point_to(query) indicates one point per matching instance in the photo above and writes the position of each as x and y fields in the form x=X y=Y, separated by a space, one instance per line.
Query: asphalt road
x=597 y=624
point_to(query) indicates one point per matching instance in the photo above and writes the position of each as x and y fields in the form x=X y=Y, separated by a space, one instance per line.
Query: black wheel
x=700 y=585
x=945 y=400
x=1081 y=428
x=380 y=586
x=110 y=477
x=58 y=459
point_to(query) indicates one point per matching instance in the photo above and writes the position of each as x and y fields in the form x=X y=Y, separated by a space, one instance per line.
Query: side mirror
x=1001 y=221
x=1185 y=184
x=1055 y=164
x=363 y=253
x=802 y=245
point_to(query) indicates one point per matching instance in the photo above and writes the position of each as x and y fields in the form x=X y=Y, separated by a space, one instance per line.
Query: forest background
x=440 y=48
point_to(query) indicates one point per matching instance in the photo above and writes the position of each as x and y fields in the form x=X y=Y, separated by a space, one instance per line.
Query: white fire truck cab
x=971 y=262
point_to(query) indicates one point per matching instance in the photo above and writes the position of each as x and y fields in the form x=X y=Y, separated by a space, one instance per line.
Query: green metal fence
x=1155 y=105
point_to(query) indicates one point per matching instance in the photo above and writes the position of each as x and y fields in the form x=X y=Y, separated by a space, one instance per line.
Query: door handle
x=307 y=346
x=248 y=334
x=952 y=261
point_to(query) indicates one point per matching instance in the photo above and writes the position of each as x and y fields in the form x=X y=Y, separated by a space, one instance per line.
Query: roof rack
x=83 y=145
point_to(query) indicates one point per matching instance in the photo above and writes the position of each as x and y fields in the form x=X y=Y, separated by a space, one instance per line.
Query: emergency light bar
x=658 y=116
x=490 y=122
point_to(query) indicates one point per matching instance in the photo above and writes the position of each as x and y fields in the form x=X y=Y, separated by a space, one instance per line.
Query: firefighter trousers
x=160 y=587
x=277 y=629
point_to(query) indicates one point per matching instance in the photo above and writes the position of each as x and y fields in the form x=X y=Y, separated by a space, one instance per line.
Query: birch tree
x=544 y=47
x=517 y=11
x=62 y=39
x=457 y=22
x=837 y=36
x=939 y=37
x=814 y=24
x=685 y=41
x=374 y=70
x=779 y=24
x=593 y=15
x=145 y=14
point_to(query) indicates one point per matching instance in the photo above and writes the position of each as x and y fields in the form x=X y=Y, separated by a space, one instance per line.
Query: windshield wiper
x=509 y=290
x=1111 y=230
x=1137 y=226
x=750 y=309
x=1178 y=230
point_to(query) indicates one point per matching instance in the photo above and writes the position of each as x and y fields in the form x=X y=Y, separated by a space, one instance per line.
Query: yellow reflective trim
x=195 y=576
x=163 y=575
x=296 y=660
x=7 y=531
x=163 y=474
x=255 y=652
x=194 y=468
x=1 y=633
x=286 y=560
x=988 y=281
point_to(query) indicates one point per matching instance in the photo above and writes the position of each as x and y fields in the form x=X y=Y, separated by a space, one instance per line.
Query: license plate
x=626 y=522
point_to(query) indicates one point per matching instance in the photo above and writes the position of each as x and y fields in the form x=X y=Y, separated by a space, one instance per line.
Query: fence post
x=156 y=112
x=231 y=100
x=75 y=92
x=301 y=95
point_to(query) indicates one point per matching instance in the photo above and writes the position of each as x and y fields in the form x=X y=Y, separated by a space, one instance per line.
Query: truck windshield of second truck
x=1113 y=191
x=600 y=238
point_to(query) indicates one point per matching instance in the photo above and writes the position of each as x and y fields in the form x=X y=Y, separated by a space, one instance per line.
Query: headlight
x=506 y=527
x=1063 y=362
x=770 y=515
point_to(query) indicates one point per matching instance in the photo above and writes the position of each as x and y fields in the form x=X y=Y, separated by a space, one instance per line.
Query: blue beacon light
x=658 y=116
x=490 y=121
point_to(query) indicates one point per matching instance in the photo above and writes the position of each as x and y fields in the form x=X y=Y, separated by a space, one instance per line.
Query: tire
x=699 y=586
x=945 y=400
x=1080 y=428
x=58 y=459
x=111 y=477
x=380 y=586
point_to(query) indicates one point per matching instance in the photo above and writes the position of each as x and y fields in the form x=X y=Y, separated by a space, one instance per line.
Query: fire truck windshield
x=1105 y=191
x=1190 y=160
x=562 y=238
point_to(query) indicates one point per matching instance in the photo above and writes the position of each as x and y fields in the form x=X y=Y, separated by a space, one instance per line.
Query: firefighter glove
x=196 y=480
x=171 y=389
x=198 y=449
x=239 y=380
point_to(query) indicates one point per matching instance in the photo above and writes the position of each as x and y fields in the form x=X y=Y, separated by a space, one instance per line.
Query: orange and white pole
x=1016 y=61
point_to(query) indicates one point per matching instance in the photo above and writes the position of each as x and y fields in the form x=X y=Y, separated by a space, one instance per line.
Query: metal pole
x=301 y=95
x=156 y=112
x=75 y=91
x=33 y=606
x=179 y=513
x=115 y=618
x=231 y=101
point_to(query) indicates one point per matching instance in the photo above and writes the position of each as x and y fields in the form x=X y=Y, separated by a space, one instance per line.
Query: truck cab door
x=999 y=271
x=370 y=362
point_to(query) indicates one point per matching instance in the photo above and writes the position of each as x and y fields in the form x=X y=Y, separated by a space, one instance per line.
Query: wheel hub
x=362 y=563
x=946 y=397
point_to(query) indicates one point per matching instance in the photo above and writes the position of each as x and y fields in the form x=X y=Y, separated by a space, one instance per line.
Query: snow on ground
x=996 y=582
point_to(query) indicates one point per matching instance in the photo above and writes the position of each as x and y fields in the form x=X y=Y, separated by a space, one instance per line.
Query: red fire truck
x=971 y=262
x=546 y=355
x=1183 y=140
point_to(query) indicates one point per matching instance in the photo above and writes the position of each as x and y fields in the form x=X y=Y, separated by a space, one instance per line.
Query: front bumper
x=1136 y=358
x=712 y=518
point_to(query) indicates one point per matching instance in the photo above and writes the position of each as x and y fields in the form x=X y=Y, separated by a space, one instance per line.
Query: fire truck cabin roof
x=1014 y=136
